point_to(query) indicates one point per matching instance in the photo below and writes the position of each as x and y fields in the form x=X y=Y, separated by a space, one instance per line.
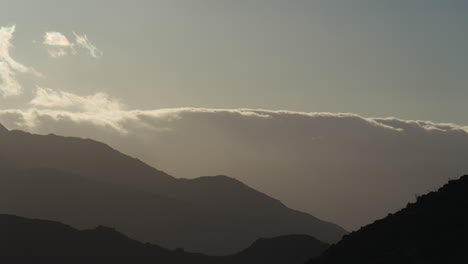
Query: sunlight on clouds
x=294 y=156
x=99 y=102
x=60 y=46
x=56 y=39
x=98 y=109
x=6 y=35
x=83 y=41
x=9 y=86
x=58 y=43
x=8 y=66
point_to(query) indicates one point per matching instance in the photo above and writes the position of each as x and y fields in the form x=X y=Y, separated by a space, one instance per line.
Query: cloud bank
x=99 y=102
x=341 y=167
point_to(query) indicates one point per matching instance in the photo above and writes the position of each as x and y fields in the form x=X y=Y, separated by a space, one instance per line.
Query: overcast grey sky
x=374 y=58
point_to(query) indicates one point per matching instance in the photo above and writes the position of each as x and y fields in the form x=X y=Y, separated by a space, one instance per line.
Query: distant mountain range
x=434 y=229
x=37 y=241
x=85 y=183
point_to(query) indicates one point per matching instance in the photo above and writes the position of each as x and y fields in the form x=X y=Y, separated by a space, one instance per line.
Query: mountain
x=3 y=129
x=86 y=183
x=285 y=249
x=37 y=241
x=434 y=229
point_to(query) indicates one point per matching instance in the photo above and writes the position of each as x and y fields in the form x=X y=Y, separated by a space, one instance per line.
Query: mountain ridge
x=3 y=129
x=434 y=229
x=246 y=212
x=24 y=240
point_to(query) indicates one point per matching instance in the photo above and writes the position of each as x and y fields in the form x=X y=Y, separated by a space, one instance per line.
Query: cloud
x=9 y=86
x=6 y=35
x=99 y=109
x=99 y=102
x=53 y=38
x=338 y=166
x=83 y=41
x=60 y=46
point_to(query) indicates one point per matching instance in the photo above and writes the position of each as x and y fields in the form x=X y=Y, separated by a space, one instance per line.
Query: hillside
x=285 y=249
x=37 y=241
x=225 y=214
x=434 y=229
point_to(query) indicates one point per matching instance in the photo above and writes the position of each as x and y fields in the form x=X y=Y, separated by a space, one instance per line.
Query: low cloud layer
x=100 y=102
x=340 y=167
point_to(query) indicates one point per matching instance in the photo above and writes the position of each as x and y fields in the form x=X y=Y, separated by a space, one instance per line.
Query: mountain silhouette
x=3 y=129
x=434 y=229
x=285 y=249
x=85 y=183
x=37 y=241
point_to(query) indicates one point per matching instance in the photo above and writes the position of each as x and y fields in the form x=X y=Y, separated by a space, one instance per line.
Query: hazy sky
x=404 y=58
x=108 y=69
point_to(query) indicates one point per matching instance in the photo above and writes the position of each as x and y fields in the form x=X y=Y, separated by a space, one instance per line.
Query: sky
x=345 y=109
x=374 y=58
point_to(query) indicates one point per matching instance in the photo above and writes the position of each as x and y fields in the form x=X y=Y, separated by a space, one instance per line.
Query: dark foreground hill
x=36 y=241
x=85 y=183
x=285 y=249
x=432 y=230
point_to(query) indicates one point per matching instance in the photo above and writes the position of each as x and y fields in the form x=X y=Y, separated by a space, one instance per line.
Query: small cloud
x=54 y=38
x=83 y=41
x=58 y=43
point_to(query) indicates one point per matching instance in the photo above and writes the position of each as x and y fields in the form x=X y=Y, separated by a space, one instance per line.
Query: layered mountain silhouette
x=85 y=183
x=37 y=241
x=434 y=229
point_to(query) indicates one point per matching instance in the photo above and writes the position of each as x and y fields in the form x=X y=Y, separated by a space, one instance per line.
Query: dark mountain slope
x=286 y=249
x=36 y=241
x=84 y=157
x=3 y=129
x=56 y=195
x=242 y=214
x=432 y=230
